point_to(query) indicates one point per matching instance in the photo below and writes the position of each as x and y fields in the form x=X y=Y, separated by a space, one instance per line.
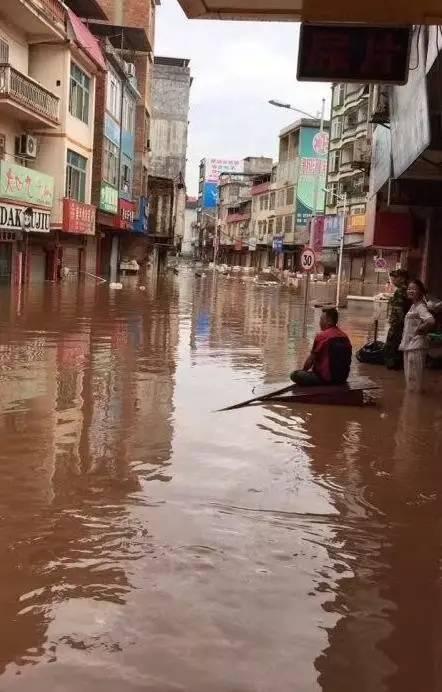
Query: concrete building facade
x=48 y=68
x=171 y=82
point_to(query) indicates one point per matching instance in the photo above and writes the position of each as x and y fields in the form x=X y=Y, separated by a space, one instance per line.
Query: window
x=333 y=161
x=338 y=95
x=126 y=179
x=260 y=229
x=288 y=223
x=347 y=154
x=263 y=202
x=363 y=114
x=110 y=164
x=359 y=209
x=279 y=224
x=4 y=51
x=147 y=132
x=281 y=198
x=264 y=227
x=331 y=195
x=2 y=146
x=79 y=94
x=290 y=196
x=128 y=114
x=113 y=95
x=359 y=184
x=76 y=176
x=272 y=200
x=336 y=129
x=271 y=226
x=350 y=120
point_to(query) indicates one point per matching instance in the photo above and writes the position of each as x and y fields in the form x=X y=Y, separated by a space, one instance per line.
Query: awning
x=86 y=40
x=374 y=12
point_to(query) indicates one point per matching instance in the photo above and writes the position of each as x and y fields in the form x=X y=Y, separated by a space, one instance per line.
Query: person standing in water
x=397 y=309
x=418 y=323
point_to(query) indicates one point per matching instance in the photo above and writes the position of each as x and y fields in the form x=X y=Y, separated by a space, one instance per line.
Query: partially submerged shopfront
x=26 y=201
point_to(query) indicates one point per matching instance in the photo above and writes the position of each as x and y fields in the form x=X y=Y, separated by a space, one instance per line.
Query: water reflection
x=149 y=543
x=80 y=377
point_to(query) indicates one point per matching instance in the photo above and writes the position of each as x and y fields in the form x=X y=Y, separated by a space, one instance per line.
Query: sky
x=236 y=67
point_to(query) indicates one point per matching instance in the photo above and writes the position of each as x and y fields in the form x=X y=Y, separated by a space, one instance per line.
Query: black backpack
x=339 y=359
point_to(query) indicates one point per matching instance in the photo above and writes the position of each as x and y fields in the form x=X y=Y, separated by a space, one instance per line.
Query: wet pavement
x=148 y=543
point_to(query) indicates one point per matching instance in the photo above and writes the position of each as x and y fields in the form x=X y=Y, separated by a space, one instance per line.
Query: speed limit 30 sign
x=308 y=260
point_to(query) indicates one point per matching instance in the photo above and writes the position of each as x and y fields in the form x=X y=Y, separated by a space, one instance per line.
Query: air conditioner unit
x=130 y=69
x=26 y=146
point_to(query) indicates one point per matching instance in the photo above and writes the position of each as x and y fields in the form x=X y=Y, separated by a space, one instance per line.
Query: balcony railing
x=53 y=8
x=28 y=93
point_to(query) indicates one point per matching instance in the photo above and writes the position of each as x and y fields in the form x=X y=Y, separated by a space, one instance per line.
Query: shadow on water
x=148 y=543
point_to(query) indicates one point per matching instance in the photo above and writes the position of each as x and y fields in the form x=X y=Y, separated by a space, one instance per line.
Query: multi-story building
x=263 y=218
x=348 y=166
x=49 y=62
x=235 y=232
x=209 y=175
x=114 y=153
x=170 y=117
x=357 y=110
x=299 y=178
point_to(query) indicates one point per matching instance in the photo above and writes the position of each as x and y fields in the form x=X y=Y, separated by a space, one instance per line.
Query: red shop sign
x=78 y=217
x=126 y=215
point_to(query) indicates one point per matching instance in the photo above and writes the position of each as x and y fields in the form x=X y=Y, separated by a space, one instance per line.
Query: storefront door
x=5 y=263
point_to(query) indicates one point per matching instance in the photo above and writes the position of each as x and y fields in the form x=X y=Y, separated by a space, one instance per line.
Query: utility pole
x=312 y=222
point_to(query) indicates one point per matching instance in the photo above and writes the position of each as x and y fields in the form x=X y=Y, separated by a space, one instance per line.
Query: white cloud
x=237 y=67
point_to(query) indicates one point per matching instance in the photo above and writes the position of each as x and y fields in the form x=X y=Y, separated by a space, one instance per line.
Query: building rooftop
x=171 y=62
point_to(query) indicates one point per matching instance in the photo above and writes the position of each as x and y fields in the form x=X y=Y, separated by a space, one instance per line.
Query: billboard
x=214 y=168
x=210 y=195
x=313 y=151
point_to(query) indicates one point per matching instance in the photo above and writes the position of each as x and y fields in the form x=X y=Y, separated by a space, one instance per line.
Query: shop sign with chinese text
x=12 y=218
x=109 y=198
x=25 y=185
x=78 y=218
x=125 y=219
x=354 y=53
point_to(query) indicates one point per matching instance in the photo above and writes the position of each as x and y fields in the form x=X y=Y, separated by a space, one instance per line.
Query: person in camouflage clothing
x=397 y=309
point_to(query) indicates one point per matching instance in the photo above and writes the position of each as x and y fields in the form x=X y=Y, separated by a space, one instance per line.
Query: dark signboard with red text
x=78 y=218
x=352 y=53
x=126 y=215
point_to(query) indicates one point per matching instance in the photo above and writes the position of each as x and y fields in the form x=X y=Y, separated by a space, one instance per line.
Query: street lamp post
x=344 y=200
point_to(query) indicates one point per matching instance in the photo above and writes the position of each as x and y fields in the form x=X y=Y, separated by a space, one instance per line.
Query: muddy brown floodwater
x=150 y=544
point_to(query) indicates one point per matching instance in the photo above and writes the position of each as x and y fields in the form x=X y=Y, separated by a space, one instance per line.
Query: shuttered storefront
x=37 y=265
x=71 y=258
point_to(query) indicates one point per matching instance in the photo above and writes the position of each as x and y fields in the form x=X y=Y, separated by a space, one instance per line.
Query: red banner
x=126 y=215
x=78 y=218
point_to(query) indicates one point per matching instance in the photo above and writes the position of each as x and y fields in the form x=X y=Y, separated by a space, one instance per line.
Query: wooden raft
x=349 y=394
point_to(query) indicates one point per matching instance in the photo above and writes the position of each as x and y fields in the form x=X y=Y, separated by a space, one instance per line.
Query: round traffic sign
x=308 y=260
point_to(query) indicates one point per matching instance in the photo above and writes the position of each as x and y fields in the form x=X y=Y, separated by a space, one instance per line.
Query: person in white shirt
x=418 y=323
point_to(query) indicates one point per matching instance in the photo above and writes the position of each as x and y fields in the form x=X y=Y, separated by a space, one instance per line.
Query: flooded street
x=149 y=543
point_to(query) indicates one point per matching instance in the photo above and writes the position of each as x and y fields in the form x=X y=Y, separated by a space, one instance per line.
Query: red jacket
x=321 y=351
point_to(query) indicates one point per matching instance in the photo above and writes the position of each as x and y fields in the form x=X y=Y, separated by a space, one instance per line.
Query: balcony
x=26 y=100
x=45 y=19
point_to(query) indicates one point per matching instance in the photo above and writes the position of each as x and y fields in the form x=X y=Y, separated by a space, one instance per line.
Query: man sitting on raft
x=330 y=358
